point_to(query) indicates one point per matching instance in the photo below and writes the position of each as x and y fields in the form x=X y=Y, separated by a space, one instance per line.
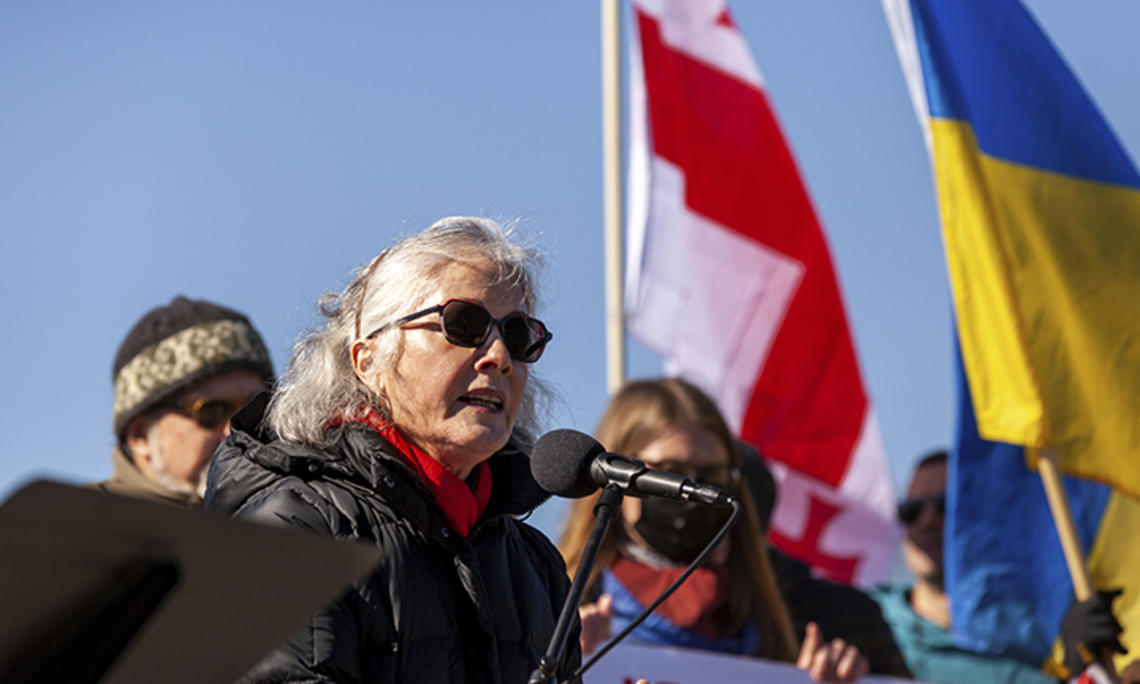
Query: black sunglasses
x=467 y=324
x=910 y=509
x=724 y=475
x=210 y=414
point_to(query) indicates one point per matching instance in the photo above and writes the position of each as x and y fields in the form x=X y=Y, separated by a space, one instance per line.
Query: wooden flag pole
x=1063 y=520
x=611 y=179
x=1070 y=542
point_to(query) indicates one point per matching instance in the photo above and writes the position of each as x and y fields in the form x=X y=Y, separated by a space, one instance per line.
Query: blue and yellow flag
x=1041 y=222
x=1040 y=214
x=1006 y=575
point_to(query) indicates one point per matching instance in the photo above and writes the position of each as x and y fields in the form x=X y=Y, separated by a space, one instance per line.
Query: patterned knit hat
x=177 y=345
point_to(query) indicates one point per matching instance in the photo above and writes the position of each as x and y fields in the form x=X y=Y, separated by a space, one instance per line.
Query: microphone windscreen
x=560 y=462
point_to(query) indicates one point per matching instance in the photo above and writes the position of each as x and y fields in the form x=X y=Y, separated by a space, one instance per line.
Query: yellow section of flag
x=1112 y=564
x=1045 y=271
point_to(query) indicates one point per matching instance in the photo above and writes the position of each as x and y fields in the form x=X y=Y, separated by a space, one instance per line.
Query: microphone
x=573 y=464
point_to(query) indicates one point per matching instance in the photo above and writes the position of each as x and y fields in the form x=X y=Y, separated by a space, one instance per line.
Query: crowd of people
x=405 y=420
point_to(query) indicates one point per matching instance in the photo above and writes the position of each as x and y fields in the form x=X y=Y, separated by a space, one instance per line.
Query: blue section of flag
x=1005 y=571
x=987 y=62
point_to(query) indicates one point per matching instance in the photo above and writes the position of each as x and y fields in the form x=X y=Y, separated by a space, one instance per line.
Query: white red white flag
x=730 y=279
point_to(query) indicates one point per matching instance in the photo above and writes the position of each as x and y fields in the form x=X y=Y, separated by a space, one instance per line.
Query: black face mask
x=678 y=529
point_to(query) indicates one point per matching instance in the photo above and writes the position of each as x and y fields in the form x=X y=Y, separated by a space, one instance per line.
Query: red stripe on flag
x=808 y=405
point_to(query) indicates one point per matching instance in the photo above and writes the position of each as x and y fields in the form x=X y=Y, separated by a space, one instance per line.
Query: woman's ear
x=363 y=364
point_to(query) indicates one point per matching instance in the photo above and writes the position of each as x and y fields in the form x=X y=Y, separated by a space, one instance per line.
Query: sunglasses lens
x=723 y=476
x=523 y=337
x=214 y=413
x=465 y=324
x=909 y=511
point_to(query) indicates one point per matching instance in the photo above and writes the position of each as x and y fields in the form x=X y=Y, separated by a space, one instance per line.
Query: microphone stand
x=604 y=511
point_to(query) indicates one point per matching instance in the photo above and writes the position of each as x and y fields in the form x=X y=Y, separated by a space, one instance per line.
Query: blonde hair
x=321 y=386
x=638 y=415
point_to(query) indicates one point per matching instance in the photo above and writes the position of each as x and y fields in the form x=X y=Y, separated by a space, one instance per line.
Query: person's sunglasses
x=910 y=509
x=724 y=475
x=467 y=324
x=210 y=414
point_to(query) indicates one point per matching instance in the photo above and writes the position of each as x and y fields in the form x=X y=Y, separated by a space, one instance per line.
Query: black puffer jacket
x=439 y=608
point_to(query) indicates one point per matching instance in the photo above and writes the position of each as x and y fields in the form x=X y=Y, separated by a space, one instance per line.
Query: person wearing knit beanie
x=180 y=374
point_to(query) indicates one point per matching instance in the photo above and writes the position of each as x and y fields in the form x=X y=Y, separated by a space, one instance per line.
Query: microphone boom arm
x=604 y=510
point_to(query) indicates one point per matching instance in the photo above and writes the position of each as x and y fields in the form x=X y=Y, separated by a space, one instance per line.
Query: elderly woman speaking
x=403 y=422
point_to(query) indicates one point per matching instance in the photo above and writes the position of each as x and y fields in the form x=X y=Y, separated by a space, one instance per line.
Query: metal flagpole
x=611 y=179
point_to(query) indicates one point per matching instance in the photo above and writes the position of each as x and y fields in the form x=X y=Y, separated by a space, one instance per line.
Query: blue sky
x=254 y=153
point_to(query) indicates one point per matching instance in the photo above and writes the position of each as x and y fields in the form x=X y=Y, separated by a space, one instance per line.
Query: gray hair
x=321 y=386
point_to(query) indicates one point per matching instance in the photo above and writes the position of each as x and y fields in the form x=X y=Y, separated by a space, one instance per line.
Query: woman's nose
x=494 y=354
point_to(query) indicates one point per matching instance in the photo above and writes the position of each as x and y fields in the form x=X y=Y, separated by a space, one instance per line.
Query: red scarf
x=701 y=604
x=461 y=506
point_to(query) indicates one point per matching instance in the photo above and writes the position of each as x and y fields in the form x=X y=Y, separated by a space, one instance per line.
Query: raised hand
x=836 y=661
x=595 y=619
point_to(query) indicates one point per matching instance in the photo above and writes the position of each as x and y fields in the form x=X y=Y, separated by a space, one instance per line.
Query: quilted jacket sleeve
x=327 y=647
x=546 y=556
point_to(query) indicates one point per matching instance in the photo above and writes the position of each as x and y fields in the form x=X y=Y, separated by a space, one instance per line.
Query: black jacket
x=840 y=611
x=439 y=607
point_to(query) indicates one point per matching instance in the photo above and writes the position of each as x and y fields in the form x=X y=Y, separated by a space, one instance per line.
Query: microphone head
x=560 y=462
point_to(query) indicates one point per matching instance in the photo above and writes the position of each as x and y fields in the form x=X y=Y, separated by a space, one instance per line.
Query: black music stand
x=98 y=587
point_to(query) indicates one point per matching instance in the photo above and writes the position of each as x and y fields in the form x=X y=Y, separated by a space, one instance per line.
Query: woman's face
x=458 y=404
x=687 y=449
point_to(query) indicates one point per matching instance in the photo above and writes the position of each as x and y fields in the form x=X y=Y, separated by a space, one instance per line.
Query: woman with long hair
x=732 y=603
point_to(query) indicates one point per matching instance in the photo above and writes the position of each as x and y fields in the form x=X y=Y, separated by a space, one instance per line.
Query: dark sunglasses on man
x=911 y=509
x=208 y=413
x=467 y=324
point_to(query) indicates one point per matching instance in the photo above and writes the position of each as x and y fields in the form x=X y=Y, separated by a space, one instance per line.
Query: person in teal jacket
x=919 y=615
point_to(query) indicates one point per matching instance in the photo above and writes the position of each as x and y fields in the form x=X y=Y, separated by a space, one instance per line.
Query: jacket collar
x=128 y=479
x=894 y=601
x=361 y=456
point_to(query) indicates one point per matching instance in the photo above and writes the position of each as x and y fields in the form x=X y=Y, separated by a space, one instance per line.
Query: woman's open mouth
x=490 y=401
